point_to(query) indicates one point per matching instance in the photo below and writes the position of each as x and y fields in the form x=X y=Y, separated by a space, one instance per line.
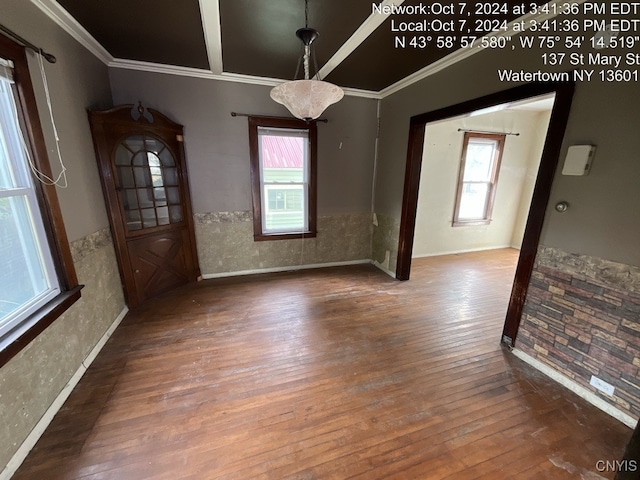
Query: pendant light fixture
x=307 y=99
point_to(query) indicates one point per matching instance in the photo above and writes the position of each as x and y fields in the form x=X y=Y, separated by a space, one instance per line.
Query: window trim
x=491 y=195
x=13 y=342
x=254 y=152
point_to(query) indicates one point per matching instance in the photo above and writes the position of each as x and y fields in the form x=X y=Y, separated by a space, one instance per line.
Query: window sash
x=466 y=196
x=485 y=173
x=278 y=125
x=22 y=230
x=466 y=213
x=267 y=213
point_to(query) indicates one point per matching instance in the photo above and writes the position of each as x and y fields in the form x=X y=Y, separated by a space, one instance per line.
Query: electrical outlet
x=602 y=385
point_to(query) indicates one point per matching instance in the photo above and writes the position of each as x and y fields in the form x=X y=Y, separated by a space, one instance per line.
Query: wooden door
x=145 y=184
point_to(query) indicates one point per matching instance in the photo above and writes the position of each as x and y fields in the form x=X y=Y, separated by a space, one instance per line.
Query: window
x=283 y=176
x=479 y=167
x=37 y=279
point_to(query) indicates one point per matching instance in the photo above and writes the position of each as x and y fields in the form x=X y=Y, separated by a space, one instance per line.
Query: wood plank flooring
x=326 y=374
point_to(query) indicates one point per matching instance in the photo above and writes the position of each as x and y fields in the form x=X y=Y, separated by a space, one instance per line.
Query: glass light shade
x=307 y=99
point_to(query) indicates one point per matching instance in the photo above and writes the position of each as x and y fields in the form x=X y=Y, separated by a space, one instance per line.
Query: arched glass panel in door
x=147 y=182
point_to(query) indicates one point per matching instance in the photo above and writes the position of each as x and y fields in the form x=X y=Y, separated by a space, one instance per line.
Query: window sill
x=262 y=237
x=459 y=223
x=34 y=325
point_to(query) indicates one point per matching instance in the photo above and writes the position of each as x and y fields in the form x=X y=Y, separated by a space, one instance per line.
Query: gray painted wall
x=603 y=218
x=217 y=144
x=77 y=81
x=31 y=381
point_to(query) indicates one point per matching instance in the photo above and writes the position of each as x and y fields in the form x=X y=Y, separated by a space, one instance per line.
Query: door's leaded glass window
x=147 y=178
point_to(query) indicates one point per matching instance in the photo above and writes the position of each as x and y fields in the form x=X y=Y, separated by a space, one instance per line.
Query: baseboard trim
x=579 y=390
x=469 y=250
x=48 y=416
x=289 y=268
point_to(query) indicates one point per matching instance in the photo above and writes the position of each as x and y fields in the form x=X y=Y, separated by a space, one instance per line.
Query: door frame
x=540 y=199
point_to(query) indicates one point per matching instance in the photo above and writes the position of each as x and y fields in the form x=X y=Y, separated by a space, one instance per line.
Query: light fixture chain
x=307 y=51
x=315 y=64
x=295 y=77
x=306 y=13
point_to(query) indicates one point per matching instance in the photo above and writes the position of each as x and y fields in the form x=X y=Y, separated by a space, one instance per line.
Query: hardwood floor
x=326 y=374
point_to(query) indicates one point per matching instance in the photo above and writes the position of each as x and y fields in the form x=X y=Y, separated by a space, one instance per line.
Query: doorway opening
x=528 y=225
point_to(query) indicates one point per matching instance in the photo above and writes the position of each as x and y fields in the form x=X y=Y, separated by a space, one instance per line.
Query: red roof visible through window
x=281 y=152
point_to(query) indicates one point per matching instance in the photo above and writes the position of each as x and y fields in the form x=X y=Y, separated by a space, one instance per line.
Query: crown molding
x=462 y=54
x=211 y=25
x=356 y=92
x=209 y=9
x=161 y=68
x=60 y=16
x=272 y=82
x=223 y=77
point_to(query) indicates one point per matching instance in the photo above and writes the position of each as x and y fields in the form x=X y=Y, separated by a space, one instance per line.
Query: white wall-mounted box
x=578 y=160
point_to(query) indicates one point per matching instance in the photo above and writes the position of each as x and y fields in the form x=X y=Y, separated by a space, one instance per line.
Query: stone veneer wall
x=30 y=382
x=225 y=243
x=582 y=318
x=384 y=244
